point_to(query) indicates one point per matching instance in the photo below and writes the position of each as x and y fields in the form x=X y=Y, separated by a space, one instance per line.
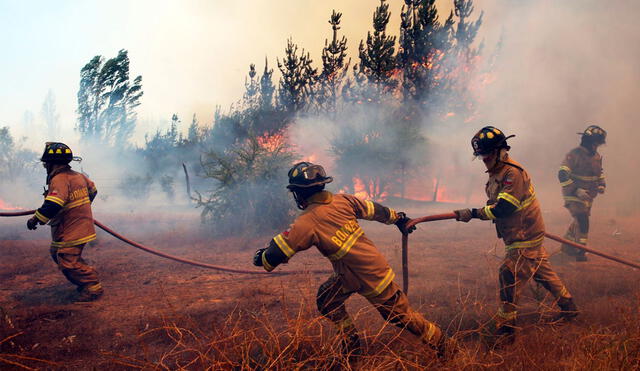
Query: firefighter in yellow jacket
x=329 y=222
x=67 y=209
x=582 y=179
x=514 y=209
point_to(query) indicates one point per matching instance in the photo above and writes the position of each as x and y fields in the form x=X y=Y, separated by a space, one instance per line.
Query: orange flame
x=6 y=206
x=271 y=142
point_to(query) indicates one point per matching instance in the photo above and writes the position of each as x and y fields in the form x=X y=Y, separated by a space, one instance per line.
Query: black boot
x=582 y=257
x=350 y=346
x=504 y=334
x=446 y=347
x=568 y=310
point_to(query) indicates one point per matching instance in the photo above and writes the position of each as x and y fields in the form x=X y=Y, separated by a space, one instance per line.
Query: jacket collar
x=323 y=197
x=57 y=171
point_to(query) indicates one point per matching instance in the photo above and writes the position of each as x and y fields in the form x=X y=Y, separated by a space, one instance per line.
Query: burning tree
x=249 y=189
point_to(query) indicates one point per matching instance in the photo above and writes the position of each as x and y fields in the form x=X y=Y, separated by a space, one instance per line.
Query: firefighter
x=514 y=209
x=67 y=209
x=329 y=222
x=582 y=179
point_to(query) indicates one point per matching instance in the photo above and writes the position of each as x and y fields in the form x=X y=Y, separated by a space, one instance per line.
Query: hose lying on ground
x=430 y=218
x=167 y=256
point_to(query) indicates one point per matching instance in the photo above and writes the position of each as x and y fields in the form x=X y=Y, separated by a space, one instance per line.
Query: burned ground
x=161 y=314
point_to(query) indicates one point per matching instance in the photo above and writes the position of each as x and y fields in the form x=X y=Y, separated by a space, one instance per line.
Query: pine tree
x=193 y=135
x=252 y=88
x=298 y=79
x=50 y=116
x=107 y=100
x=424 y=42
x=334 y=68
x=266 y=87
x=377 y=60
x=466 y=31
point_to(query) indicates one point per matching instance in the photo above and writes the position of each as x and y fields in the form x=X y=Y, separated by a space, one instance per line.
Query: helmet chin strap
x=500 y=155
x=300 y=202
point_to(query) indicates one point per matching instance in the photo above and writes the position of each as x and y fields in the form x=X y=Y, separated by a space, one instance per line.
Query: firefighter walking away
x=67 y=209
x=513 y=207
x=329 y=222
x=582 y=179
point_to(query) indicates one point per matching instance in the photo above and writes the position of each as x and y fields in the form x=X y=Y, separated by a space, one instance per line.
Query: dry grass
x=158 y=315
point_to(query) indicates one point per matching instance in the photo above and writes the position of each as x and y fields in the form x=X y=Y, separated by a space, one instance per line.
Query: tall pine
x=334 y=68
x=377 y=59
x=298 y=79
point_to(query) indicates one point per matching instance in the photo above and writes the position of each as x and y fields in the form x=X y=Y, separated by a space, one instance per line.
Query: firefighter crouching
x=582 y=179
x=67 y=209
x=329 y=222
x=514 y=209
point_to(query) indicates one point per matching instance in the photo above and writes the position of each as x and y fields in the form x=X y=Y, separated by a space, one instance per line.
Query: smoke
x=559 y=67
x=564 y=65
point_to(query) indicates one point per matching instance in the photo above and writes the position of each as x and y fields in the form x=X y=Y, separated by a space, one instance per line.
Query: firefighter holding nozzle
x=330 y=223
x=514 y=209
x=67 y=209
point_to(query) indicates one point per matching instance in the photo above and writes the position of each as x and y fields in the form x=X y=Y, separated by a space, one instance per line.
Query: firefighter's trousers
x=518 y=268
x=579 y=229
x=392 y=304
x=75 y=269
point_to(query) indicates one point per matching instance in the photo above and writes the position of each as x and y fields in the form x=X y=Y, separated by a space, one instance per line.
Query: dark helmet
x=307 y=175
x=488 y=139
x=595 y=134
x=56 y=153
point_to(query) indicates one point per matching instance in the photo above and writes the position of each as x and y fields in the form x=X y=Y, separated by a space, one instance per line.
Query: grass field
x=157 y=314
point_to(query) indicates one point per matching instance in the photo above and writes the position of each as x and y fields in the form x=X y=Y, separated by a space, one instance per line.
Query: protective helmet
x=488 y=139
x=306 y=175
x=56 y=153
x=595 y=134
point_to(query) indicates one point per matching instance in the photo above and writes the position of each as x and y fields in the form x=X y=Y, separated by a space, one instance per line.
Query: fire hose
x=431 y=218
x=167 y=256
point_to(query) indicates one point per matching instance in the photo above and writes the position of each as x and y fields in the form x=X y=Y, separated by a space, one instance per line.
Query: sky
x=192 y=55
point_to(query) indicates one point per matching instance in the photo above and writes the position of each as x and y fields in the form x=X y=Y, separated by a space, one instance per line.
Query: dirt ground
x=159 y=314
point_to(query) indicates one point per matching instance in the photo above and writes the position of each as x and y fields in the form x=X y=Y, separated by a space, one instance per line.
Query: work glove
x=583 y=194
x=402 y=221
x=463 y=215
x=257 y=258
x=601 y=189
x=32 y=223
